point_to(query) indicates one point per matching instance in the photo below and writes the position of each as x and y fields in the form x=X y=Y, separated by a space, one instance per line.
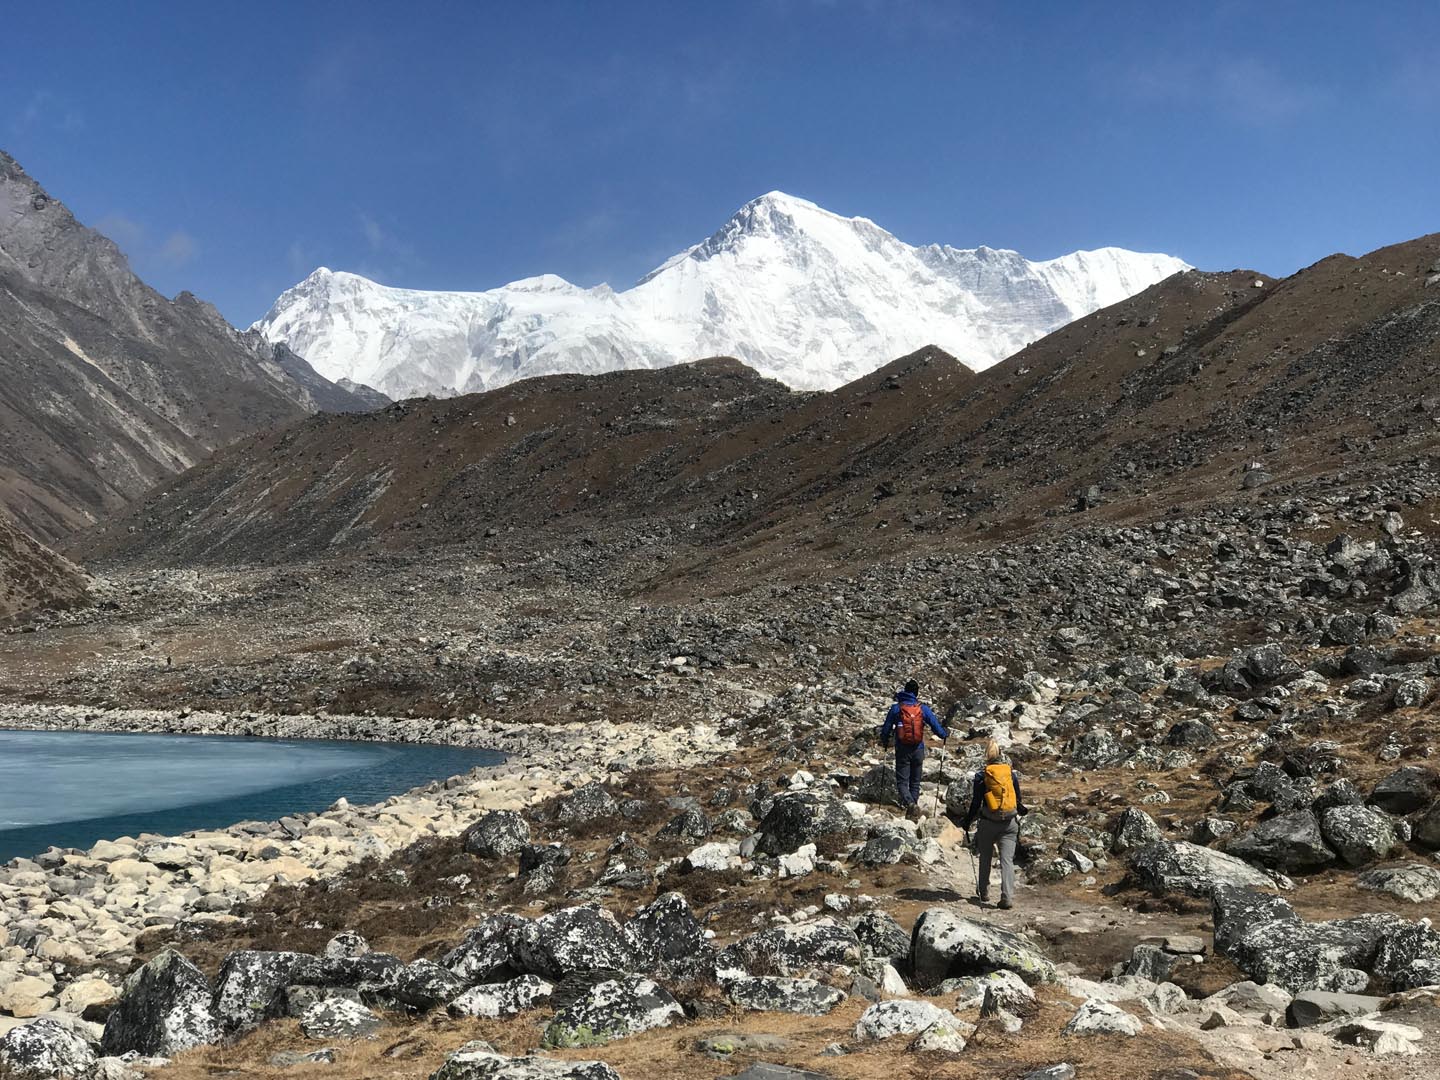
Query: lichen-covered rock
x=590 y=802
x=876 y=786
x=1291 y=842
x=338 y=1018
x=946 y=945
x=690 y=825
x=765 y=993
x=164 y=1008
x=1102 y=1018
x=346 y=945
x=250 y=979
x=1414 y=882
x=801 y=817
x=576 y=939
x=425 y=985
x=498 y=834
x=1134 y=829
x=1264 y=937
x=669 y=940
x=1170 y=867
x=479 y=1061
x=1405 y=790
x=488 y=952
x=883 y=937
x=886 y=1019
x=491 y=1002
x=371 y=973
x=1409 y=957
x=1359 y=834
x=785 y=949
x=611 y=1010
x=43 y=1049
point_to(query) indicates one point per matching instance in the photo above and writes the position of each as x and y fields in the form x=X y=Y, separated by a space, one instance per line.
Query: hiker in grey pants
x=995 y=831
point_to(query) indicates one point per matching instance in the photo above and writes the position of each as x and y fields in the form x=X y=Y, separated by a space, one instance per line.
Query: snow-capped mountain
x=799 y=293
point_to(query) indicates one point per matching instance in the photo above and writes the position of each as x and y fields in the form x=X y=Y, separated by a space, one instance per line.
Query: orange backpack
x=911 y=729
x=1000 y=790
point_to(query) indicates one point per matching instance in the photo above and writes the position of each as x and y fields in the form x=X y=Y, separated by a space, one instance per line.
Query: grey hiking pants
x=989 y=834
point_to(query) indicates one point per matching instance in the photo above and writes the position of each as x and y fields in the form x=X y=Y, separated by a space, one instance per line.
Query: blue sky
x=231 y=148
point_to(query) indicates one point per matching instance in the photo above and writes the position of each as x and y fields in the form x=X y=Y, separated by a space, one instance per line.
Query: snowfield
x=803 y=295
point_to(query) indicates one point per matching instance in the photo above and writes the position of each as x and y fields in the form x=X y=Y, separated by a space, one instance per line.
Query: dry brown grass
x=670 y=1054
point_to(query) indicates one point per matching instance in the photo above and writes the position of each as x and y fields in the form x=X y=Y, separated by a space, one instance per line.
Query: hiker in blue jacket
x=906 y=722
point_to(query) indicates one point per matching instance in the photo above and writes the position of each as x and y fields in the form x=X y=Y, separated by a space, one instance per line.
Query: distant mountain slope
x=106 y=387
x=32 y=576
x=798 y=293
x=1204 y=386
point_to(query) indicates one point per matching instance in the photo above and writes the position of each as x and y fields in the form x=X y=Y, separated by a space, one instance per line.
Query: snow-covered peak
x=798 y=292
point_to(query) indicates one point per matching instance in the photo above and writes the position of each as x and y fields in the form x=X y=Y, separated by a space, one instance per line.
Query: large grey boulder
x=338 y=1018
x=1427 y=827
x=479 y=1061
x=1265 y=938
x=1359 y=834
x=1410 y=957
x=164 y=1008
x=1405 y=790
x=782 y=950
x=1102 y=1018
x=571 y=940
x=883 y=937
x=1414 y=882
x=488 y=952
x=876 y=786
x=1311 y=1007
x=43 y=1049
x=797 y=818
x=1179 y=866
x=497 y=834
x=613 y=1009
x=1134 y=829
x=250 y=979
x=887 y=1019
x=669 y=940
x=1291 y=842
x=499 y=1000
x=765 y=993
x=589 y=802
x=425 y=985
x=945 y=945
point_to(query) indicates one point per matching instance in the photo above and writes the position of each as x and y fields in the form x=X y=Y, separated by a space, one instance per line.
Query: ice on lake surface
x=72 y=788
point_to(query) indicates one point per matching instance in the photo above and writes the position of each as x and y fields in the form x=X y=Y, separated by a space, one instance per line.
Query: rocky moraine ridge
x=1226 y=720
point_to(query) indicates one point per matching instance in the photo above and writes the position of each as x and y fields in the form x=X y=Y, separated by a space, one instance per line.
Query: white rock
x=1101 y=1018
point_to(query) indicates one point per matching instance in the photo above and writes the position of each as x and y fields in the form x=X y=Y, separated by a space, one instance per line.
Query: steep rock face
x=798 y=293
x=106 y=387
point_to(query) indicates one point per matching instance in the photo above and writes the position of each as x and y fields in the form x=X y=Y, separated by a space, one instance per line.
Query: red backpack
x=911 y=729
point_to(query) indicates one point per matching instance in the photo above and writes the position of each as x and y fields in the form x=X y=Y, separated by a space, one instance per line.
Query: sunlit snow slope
x=799 y=293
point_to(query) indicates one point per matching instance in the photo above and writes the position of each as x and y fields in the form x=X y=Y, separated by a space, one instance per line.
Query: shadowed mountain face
x=107 y=387
x=1205 y=386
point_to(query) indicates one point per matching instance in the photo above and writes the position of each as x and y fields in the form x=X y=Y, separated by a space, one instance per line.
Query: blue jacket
x=892 y=718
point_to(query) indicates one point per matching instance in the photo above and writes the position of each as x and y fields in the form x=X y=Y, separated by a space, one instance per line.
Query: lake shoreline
x=80 y=912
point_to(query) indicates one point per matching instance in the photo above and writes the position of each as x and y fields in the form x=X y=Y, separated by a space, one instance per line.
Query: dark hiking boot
x=1005 y=905
x=912 y=812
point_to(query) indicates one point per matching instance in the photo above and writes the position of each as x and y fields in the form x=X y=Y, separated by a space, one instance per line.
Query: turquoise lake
x=70 y=789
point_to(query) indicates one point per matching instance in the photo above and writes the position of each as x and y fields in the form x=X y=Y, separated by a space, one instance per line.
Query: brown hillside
x=1206 y=384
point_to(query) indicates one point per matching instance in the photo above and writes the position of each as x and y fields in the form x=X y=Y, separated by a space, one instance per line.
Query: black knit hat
x=912 y=687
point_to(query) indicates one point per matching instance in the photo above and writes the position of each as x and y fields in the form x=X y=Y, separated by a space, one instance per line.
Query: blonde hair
x=993 y=751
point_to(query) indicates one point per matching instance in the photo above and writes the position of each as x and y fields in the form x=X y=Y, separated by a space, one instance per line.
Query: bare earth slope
x=107 y=387
x=33 y=576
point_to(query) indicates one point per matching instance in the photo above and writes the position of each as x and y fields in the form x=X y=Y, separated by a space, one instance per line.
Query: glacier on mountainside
x=799 y=293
